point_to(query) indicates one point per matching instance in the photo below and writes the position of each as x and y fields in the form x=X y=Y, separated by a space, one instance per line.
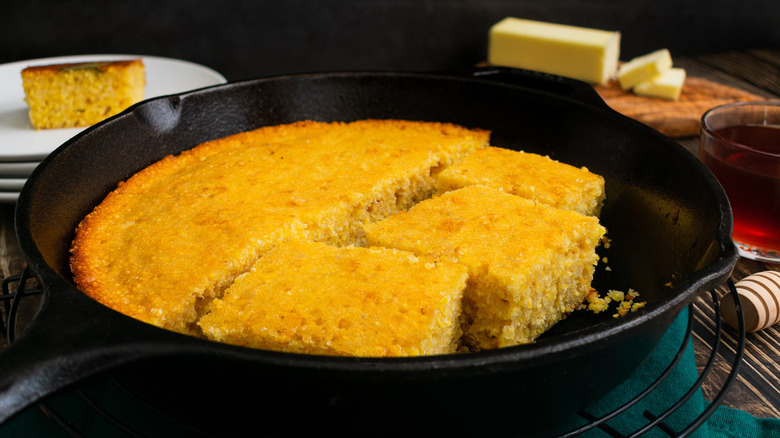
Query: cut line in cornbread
x=529 y=175
x=174 y=236
x=81 y=94
x=529 y=263
x=310 y=297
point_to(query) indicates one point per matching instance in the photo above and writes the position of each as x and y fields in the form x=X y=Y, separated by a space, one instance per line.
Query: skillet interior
x=665 y=229
x=667 y=217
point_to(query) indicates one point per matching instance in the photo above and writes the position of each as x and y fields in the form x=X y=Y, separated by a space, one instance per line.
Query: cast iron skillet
x=668 y=219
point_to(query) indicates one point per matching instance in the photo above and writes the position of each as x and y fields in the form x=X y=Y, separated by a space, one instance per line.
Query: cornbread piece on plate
x=529 y=263
x=310 y=297
x=81 y=94
x=531 y=176
x=174 y=236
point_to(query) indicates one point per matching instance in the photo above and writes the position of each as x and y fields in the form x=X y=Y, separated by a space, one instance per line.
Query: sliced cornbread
x=528 y=263
x=174 y=236
x=81 y=94
x=531 y=176
x=310 y=297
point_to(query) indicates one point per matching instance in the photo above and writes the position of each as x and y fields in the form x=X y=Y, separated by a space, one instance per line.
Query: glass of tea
x=740 y=144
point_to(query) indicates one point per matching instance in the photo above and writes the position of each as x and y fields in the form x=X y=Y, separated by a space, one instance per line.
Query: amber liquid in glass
x=751 y=182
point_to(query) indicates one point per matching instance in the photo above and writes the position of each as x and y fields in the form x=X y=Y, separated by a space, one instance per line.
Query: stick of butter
x=589 y=55
x=667 y=85
x=643 y=68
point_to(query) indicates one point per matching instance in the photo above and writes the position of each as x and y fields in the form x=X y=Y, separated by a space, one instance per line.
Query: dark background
x=244 y=39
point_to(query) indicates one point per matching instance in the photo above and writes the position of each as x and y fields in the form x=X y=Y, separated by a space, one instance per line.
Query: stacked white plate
x=22 y=147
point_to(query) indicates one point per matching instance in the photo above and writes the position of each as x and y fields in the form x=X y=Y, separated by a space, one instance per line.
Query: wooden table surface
x=757 y=387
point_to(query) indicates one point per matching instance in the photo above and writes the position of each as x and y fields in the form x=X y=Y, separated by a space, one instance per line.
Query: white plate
x=19 y=141
x=12 y=184
x=8 y=197
x=16 y=169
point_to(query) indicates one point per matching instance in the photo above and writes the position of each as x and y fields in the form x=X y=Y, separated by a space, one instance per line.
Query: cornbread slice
x=310 y=297
x=531 y=176
x=81 y=94
x=174 y=236
x=529 y=263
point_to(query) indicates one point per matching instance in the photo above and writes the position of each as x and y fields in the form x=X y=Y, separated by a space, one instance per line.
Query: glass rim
x=705 y=127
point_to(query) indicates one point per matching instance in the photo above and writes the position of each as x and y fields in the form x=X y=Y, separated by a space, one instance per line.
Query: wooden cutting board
x=673 y=118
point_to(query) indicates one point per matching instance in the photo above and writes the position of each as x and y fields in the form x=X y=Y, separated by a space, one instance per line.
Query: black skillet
x=667 y=217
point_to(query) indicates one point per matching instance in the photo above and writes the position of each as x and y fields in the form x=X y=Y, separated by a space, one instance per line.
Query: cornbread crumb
x=595 y=303
x=529 y=263
x=310 y=297
x=81 y=94
x=625 y=303
x=616 y=295
x=531 y=176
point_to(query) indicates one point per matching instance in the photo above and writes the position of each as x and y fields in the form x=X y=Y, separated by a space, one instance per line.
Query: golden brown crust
x=103 y=66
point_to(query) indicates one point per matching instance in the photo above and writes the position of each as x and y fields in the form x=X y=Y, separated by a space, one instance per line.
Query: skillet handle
x=68 y=340
x=558 y=85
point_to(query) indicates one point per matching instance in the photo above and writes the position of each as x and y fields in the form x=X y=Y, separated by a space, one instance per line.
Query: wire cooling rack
x=83 y=411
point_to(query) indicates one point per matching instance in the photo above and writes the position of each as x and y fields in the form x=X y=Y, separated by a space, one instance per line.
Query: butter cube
x=667 y=86
x=589 y=55
x=643 y=68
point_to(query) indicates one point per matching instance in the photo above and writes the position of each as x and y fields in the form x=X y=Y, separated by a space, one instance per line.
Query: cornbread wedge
x=310 y=297
x=531 y=176
x=81 y=94
x=175 y=235
x=528 y=263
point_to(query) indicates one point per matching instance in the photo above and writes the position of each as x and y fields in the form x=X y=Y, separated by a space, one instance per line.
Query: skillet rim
x=683 y=292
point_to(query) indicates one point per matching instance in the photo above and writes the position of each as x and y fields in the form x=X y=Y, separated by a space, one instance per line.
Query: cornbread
x=529 y=175
x=81 y=94
x=528 y=263
x=175 y=235
x=310 y=297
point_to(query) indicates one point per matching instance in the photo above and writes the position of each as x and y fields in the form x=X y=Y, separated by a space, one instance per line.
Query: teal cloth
x=724 y=423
